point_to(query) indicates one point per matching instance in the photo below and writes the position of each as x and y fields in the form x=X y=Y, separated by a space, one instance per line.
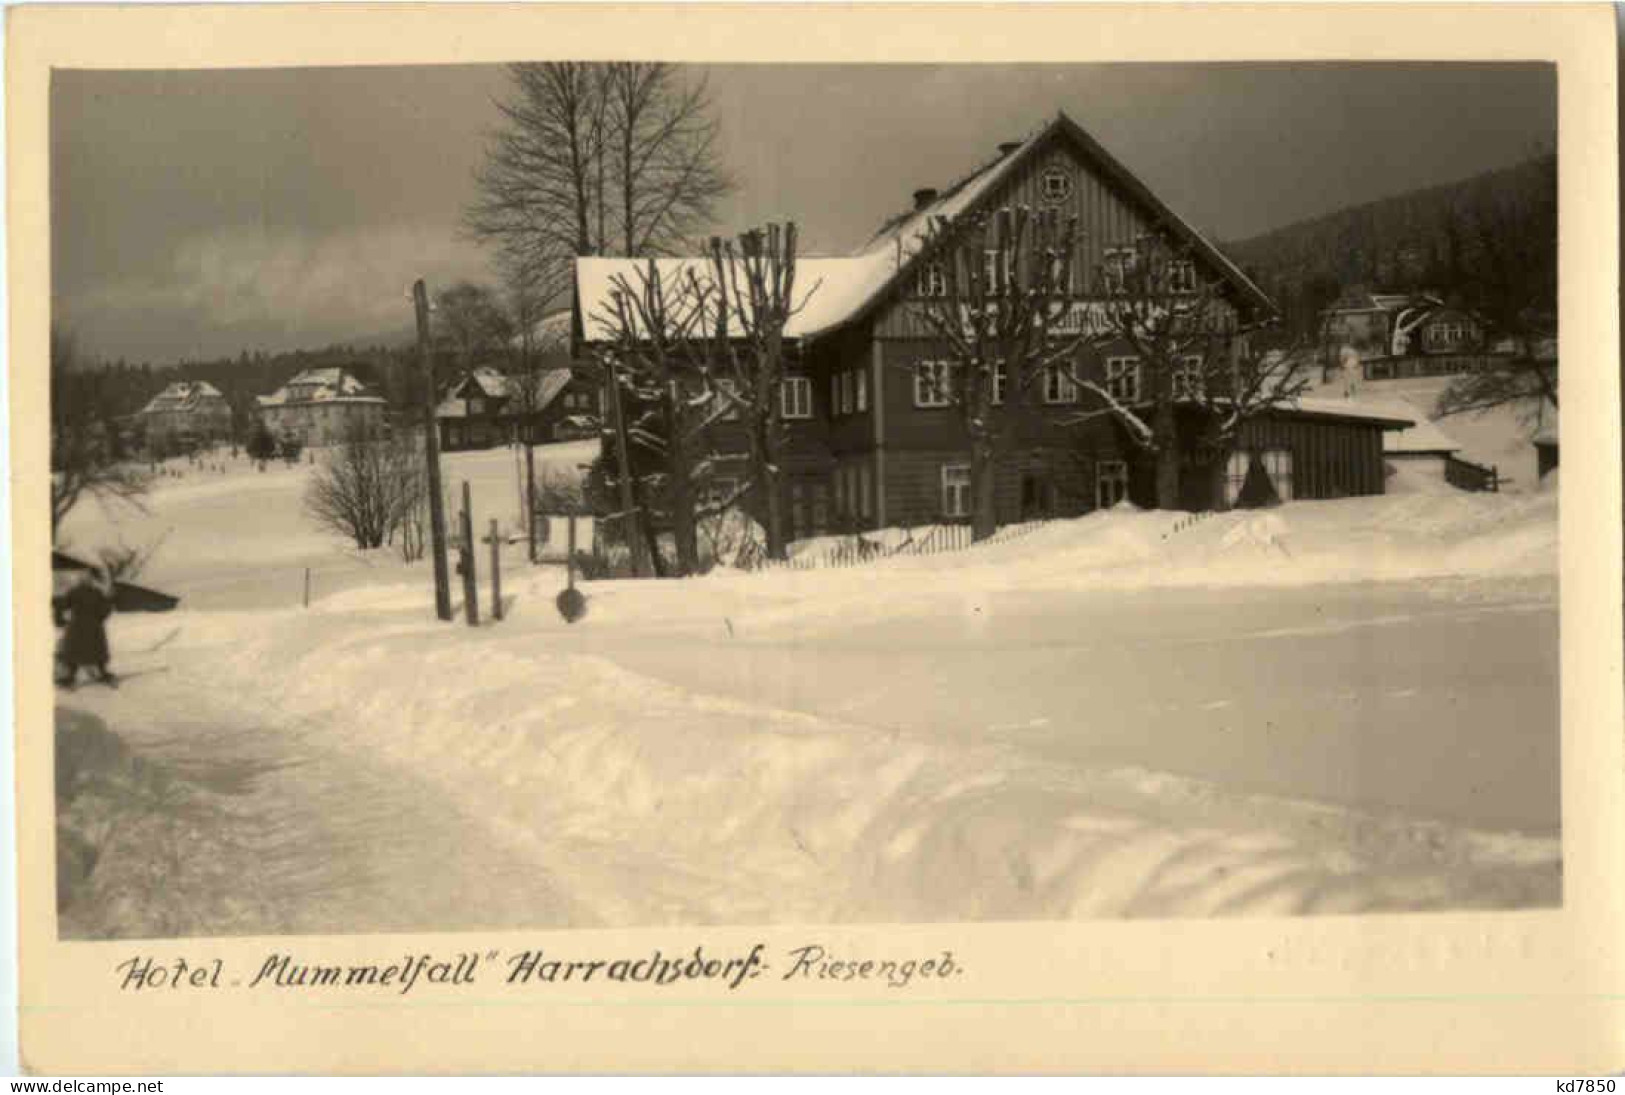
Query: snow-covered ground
x=1329 y=706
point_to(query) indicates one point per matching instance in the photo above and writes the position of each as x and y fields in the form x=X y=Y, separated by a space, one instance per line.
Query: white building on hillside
x=320 y=406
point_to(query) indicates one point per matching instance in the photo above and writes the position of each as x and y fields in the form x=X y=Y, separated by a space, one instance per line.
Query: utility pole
x=431 y=453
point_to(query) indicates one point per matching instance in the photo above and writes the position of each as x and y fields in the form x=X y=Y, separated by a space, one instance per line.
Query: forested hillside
x=1430 y=238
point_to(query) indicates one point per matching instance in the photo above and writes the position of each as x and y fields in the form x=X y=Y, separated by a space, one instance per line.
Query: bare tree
x=753 y=302
x=82 y=463
x=659 y=346
x=1181 y=384
x=1508 y=274
x=592 y=157
x=997 y=290
x=471 y=322
x=526 y=381
x=368 y=487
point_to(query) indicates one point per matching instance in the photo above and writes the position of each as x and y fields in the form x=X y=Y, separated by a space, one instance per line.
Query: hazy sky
x=202 y=213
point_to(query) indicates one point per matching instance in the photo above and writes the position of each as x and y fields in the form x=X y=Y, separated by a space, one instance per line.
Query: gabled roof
x=182 y=395
x=496 y=385
x=330 y=384
x=843 y=288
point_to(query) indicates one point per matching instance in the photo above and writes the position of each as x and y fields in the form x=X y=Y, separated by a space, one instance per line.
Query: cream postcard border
x=1536 y=992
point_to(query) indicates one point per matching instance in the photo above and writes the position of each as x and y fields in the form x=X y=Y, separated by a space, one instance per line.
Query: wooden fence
x=858 y=549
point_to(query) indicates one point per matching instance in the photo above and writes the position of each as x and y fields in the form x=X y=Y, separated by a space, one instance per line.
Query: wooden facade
x=870 y=454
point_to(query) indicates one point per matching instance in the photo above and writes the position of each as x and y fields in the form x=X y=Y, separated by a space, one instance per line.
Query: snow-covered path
x=265 y=825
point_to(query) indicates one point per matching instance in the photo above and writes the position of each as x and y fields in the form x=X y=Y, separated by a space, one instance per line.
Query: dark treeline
x=1433 y=239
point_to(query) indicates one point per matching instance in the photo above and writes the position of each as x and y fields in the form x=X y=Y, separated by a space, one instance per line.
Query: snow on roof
x=497 y=386
x=330 y=384
x=181 y=395
x=1389 y=414
x=1423 y=436
x=843 y=286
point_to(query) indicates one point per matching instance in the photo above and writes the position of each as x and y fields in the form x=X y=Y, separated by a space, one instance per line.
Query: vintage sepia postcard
x=687 y=538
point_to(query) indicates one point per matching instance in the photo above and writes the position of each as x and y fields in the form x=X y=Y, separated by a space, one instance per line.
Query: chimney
x=1008 y=147
x=924 y=197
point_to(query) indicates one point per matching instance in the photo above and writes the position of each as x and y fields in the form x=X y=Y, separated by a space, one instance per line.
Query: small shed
x=1421 y=450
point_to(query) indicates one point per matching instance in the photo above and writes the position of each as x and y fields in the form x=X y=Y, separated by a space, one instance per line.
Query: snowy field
x=1326 y=707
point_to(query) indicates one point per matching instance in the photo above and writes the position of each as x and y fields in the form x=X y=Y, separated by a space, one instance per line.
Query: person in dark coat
x=82 y=611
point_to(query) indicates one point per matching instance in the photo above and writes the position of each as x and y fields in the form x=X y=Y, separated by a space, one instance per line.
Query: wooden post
x=431 y=453
x=632 y=522
x=471 y=588
x=307 y=587
x=496 y=573
x=570 y=557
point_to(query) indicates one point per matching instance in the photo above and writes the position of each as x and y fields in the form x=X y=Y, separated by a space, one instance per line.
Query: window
x=932 y=281
x=1277 y=465
x=726 y=390
x=1123 y=379
x=863 y=492
x=932 y=383
x=1116 y=265
x=1059 y=386
x=1055 y=184
x=846 y=393
x=1111 y=483
x=1278 y=462
x=998 y=276
x=1186 y=381
x=1001 y=377
x=795 y=397
x=476 y=406
x=956 y=490
x=861 y=383
x=834 y=394
x=1182 y=276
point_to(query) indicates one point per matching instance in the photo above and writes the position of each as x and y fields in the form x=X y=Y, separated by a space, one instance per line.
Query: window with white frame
x=932 y=280
x=1115 y=266
x=1186 y=380
x=861 y=384
x=933 y=383
x=998 y=275
x=1123 y=379
x=1059 y=387
x=1277 y=464
x=1182 y=276
x=846 y=392
x=1111 y=483
x=956 y=490
x=1001 y=378
x=795 y=397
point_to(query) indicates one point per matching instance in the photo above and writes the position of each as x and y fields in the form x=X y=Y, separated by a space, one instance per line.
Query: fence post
x=471 y=589
x=496 y=574
x=307 y=587
x=570 y=557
